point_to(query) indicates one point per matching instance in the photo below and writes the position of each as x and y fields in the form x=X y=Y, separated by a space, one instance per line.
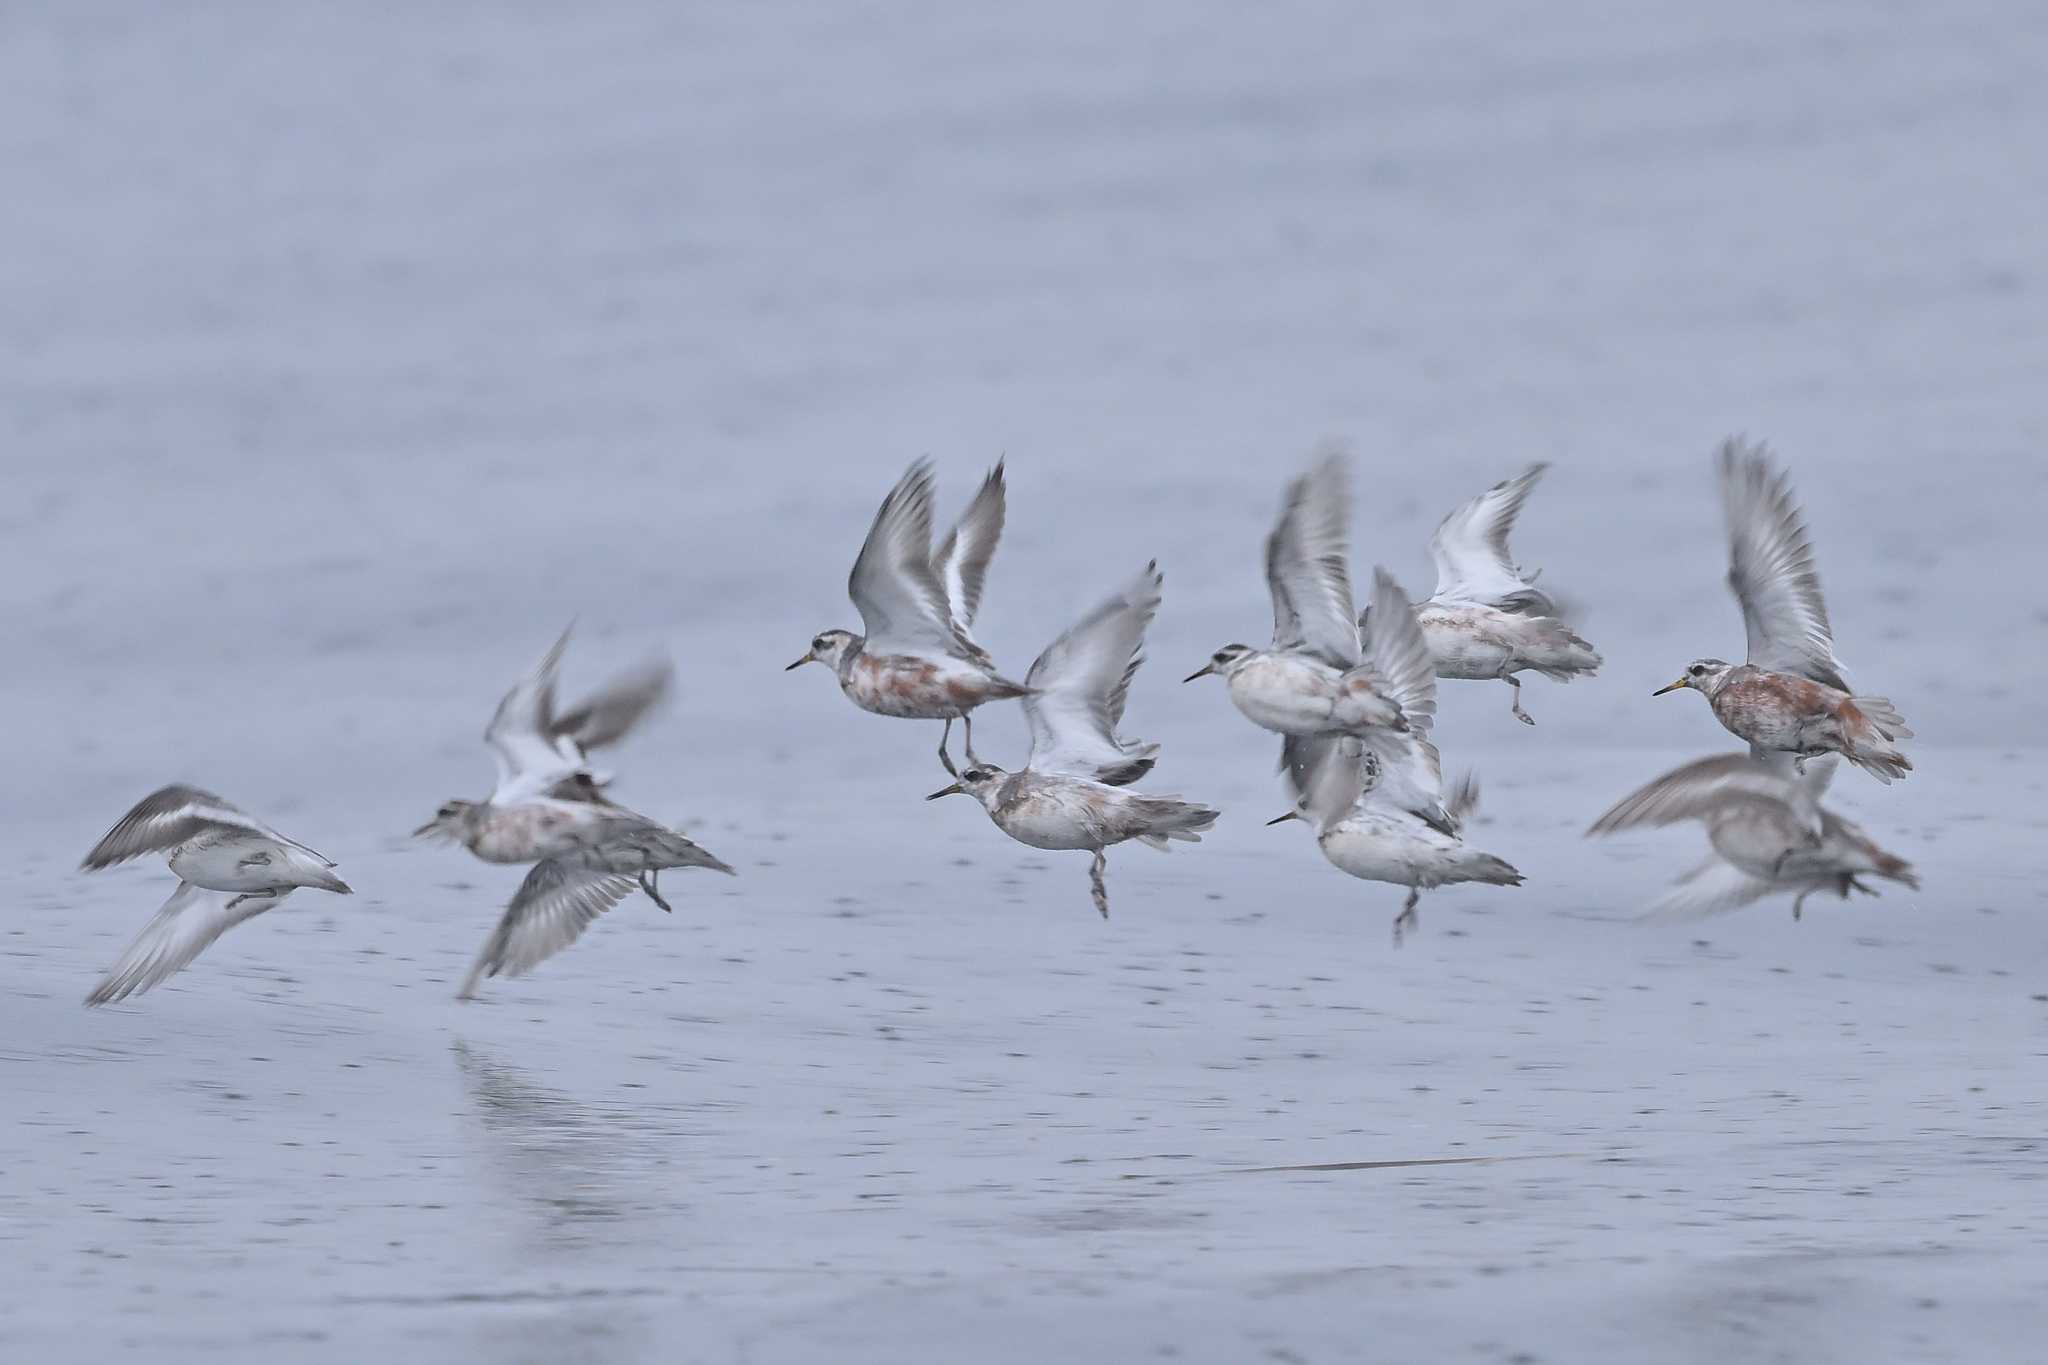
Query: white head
x=979 y=782
x=451 y=824
x=830 y=648
x=1224 y=661
x=1701 y=675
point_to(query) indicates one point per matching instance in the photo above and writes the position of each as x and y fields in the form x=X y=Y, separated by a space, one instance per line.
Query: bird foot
x=647 y=884
x=251 y=896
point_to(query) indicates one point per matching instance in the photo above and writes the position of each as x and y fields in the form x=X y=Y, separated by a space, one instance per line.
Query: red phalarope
x=918 y=658
x=1377 y=804
x=1769 y=832
x=1487 y=619
x=550 y=809
x=230 y=866
x=1313 y=680
x=1072 y=792
x=1790 y=697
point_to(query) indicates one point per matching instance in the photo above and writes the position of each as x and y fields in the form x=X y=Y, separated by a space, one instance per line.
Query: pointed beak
x=799 y=663
x=953 y=790
x=1672 y=687
x=428 y=828
x=1204 y=671
x=1283 y=819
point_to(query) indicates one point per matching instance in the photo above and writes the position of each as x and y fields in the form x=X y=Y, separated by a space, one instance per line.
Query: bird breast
x=1466 y=642
x=235 y=862
x=531 y=831
x=1407 y=853
x=1055 y=816
x=915 y=688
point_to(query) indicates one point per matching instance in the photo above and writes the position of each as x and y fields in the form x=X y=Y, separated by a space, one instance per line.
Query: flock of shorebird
x=1353 y=697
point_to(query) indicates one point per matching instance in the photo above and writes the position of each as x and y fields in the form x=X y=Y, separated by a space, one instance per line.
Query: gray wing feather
x=183 y=928
x=1081 y=683
x=1307 y=568
x=166 y=818
x=609 y=714
x=962 y=561
x=1771 y=568
x=554 y=905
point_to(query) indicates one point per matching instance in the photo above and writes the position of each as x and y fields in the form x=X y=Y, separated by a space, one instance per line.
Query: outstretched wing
x=1306 y=567
x=1473 y=563
x=961 y=562
x=1411 y=777
x=166 y=818
x=1712 y=888
x=1080 y=685
x=1708 y=787
x=183 y=929
x=1771 y=569
x=901 y=601
x=559 y=899
x=609 y=714
x=1403 y=670
x=532 y=755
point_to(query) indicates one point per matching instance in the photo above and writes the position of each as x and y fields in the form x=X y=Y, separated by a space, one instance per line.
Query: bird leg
x=967 y=723
x=1512 y=681
x=1800 y=900
x=268 y=895
x=647 y=884
x=1407 y=919
x=945 y=757
x=1096 y=885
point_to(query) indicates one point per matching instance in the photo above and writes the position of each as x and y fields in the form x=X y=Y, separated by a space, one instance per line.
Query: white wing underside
x=1082 y=681
x=962 y=560
x=1306 y=568
x=903 y=605
x=186 y=925
x=536 y=749
x=1714 y=887
x=1771 y=569
x=1470 y=547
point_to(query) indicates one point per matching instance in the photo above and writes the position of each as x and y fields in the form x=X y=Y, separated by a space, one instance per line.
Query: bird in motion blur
x=917 y=658
x=1314 y=679
x=1487 y=619
x=1377 y=804
x=1790 y=697
x=546 y=787
x=230 y=867
x=1769 y=833
x=1073 y=791
x=550 y=809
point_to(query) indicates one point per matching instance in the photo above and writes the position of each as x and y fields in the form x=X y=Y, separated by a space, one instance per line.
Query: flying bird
x=917 y=658
x=1770 y=835
x=1790 y=697
x=230 y=867
x=1377 y=805
x=1073 y=791
x=1314 y=679
x=1487 y=619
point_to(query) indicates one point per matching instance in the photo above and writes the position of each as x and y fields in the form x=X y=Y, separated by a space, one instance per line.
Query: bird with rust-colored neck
x=1790 y=698
x=918 y=659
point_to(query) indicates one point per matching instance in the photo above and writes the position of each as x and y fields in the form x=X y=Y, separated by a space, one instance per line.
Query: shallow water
x=349 y=359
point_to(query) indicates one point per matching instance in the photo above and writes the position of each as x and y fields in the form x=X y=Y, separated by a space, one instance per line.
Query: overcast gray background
x=349 y=351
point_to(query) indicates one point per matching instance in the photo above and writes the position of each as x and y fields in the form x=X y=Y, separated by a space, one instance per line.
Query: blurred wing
x=1706 y=787
x=549 y=911
x=609 y=714
x=531 y=756
x=1306 y=570
x=188 y=922
x=1329 y=775
x=902 y=604
x=1712 y=888
x=1082 y=681
x=1403 y=670
x=961 y=563
x=165 y=819
x=1771 y=569
x=1411 y=777
x=1471 y=550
